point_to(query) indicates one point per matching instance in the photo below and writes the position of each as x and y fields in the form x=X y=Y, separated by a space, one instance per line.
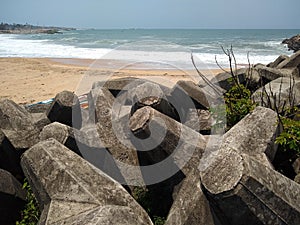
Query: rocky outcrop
x=6 y=28
x=293 y=43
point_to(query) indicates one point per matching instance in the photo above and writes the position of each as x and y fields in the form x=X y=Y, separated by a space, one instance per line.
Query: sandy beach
x=29 y=80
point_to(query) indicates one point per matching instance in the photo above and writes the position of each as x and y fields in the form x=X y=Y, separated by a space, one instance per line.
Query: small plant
x=30 y=214
x=159 y=220
x=141 y=195
x=289 y=139
x=146 y=200
x=238 y=104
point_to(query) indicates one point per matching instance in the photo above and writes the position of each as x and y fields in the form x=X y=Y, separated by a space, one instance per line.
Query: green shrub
x=30 y=214
x=238 y=104
x=159 y=220
x=146 y=200
x=289 y=139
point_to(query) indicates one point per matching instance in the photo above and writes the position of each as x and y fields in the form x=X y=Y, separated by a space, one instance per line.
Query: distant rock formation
x=6 y=28
x=293 y=43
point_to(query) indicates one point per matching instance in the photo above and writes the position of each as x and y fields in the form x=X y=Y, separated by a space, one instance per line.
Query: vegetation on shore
x=6 y=28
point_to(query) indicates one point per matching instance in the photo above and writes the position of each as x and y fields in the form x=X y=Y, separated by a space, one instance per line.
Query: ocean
x=167 y=46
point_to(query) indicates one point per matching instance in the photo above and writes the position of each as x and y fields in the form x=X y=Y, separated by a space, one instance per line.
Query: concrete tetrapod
x=101 y=104
x=72 y=191
x=245 y=191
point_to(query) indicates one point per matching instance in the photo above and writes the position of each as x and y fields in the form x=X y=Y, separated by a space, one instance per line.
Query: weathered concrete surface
x=280 y=59
x=201 y=97
x=225 y=80
x=296 y=166
x=274 y=73
x=291 y=62
x=16 y=124
x=166 y=137
x=65 y=109
x=101 y=104
x=254 y=135
x=199 y=120
x=297 y=178
x=117 y=85
x=72 y=191
x=85 y=144
x=281 y=88
x=190 y=205
x=150 y=94
x=10 y=157
x=12 y=198
x=17 y=133
x=40 y=120
x=37 y=108
x=64 y=134
x=242 y=189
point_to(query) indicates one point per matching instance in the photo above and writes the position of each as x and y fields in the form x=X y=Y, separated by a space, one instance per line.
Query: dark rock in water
x=244 y=191
x=72 y=191
x=293 y=43
x=280 y=59
x=65 y=109
x=12 y=198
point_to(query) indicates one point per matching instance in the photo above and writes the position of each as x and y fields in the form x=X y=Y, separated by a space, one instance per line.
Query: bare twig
x=204 y=78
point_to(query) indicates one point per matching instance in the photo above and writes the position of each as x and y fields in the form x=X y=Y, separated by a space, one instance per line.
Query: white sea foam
x=11 y=46
x=165 y=52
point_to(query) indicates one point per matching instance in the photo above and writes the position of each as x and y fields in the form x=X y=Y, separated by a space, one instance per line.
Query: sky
x=111 y=14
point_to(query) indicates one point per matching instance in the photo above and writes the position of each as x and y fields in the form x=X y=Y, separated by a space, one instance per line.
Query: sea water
x=169 y=46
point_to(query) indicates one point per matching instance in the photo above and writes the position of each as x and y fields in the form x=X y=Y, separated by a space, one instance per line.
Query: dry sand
x=28 y=80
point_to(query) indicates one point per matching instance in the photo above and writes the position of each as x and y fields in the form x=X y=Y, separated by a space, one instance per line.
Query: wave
x=165 y=52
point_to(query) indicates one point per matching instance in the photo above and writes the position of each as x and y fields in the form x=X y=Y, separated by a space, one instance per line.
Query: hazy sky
x=154 y=13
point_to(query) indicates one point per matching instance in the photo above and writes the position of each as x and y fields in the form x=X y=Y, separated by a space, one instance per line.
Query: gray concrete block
x=72 y=191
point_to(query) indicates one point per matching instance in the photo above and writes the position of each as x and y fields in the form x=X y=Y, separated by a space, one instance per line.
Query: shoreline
x=30 y=80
